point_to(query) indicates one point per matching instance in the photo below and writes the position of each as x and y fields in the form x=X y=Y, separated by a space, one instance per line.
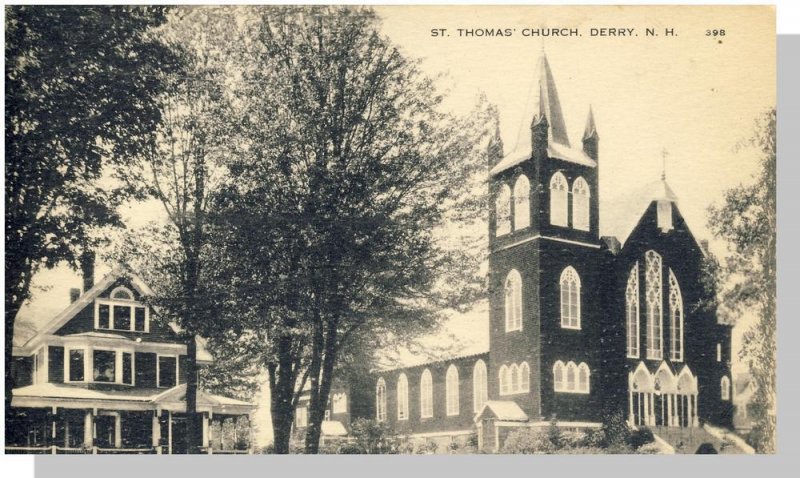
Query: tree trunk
x=11 y=314
x=18 y=280
x=320 y=396
x=193 y=425
x=282 y=379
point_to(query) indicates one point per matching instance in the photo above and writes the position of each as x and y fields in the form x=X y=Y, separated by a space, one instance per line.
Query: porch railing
x=57 y=450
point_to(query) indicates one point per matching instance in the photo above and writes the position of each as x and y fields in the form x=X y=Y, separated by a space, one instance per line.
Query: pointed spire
x=590 y=131
x=495 y=146
x=543 y=106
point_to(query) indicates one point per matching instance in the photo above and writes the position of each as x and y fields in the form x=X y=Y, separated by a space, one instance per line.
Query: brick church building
x=580 y=326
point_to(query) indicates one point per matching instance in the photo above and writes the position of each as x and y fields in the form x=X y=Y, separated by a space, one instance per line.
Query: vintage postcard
x=390 y=229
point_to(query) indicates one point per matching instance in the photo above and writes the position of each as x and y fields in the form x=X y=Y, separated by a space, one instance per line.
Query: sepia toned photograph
x=437 y=230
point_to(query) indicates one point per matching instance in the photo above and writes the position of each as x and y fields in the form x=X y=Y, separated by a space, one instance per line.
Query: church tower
x=545 y=263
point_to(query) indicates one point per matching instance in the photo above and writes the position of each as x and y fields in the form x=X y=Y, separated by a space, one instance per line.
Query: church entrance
x=662 y=399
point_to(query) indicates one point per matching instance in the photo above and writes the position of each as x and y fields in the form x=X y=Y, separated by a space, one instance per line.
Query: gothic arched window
x=451 y=392
x=503 y=210
x=653 y=298
x=572 y=370
x=525 y=377
x=570 y=299
x=505 y=380
x=522 y=203
x=402 y=397
x=380 y=400
x=583 y=378
x=632 y=311
x=558 y=376
x=514 y=373
x=580 y=204
x=558 y=200
x=675 y=319
x=480 y=388
x=513 y=301
x=426 y=395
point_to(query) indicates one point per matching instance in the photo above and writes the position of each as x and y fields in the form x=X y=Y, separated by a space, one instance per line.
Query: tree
x=331 y=227
x=183 y=168
x=747 y=221
x=80 y=100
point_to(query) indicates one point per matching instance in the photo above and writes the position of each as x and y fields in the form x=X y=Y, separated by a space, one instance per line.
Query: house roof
x=505 y=410
x=86 y=299
x=147 y=398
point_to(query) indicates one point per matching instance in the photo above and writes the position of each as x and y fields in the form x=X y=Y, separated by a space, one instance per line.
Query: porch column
x=695 y=420
x=156 y=433
x=53 y=417
x=670 y=415
x=205 y=430
x=646 y=418
x=630 y=406
x=169 y=432
x=689 y=411
x=118 y=430
x=88 y=429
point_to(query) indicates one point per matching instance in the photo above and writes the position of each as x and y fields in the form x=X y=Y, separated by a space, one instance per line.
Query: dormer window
x=121 y=312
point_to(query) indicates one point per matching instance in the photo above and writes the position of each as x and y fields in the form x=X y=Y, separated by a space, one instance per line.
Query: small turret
x=495 y=148
x=590 y=137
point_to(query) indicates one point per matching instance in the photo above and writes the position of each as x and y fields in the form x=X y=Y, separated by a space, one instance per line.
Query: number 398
x=715 y=33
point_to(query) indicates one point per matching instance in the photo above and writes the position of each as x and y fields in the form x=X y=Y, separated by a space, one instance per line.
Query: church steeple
x=590 y=136
x=544 y=108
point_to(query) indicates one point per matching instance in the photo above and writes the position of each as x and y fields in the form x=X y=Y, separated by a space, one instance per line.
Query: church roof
x=543 y=104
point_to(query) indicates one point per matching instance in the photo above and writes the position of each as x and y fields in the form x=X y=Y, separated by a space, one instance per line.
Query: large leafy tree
x=330 y=231
x=747 y=221
x=80 y=101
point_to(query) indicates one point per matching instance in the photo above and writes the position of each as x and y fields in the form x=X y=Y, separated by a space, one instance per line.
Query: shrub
x=616 y=430
x=649 y=449
x=554 y=433
x=374 y=437
x=594 y=438
x=527 y=441
x=640 y=437
x=706 y=449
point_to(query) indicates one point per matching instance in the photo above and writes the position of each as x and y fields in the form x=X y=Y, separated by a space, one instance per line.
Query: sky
x=693 y=95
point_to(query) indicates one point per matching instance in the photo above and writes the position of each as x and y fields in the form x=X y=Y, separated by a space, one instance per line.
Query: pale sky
x=693 y=95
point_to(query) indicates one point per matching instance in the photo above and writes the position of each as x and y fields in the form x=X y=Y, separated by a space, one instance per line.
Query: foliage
x=640 y=437
x=371 y=437
x=554 y=433
x=80 y=101
x=615 y=430
x=747 y=221
x=649 y=449
x=345 y=169
x=527 y=441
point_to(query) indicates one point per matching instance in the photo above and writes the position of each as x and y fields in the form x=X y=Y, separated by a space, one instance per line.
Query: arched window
x=580 y=204
x=583 y=378
x=675 y=319
x=632 y=311
x=426 y=395
x=480 y=387
x=725 y=385
x=571 y=372
x=719 y=352
x=380 y=400
x=653 y=299
x=522 y=203
x=513 y=295
x=570 y=299
x=503 y=210
x=558 y=200
x=513 y=371
x=505 y=380
x=451 y=392
x=525 y=377
x=121 y=293
x=339 y=403
x=402 y=397
x=558 y=376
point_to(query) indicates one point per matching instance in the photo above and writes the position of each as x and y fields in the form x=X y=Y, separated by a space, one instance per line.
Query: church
x=580 y=326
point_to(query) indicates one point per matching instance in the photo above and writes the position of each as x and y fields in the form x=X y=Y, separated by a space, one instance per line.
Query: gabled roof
x=86 y=299
x=505 y=410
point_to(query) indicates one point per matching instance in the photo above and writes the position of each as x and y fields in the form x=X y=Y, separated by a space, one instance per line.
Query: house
x=580 y=326
x=104 y=377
